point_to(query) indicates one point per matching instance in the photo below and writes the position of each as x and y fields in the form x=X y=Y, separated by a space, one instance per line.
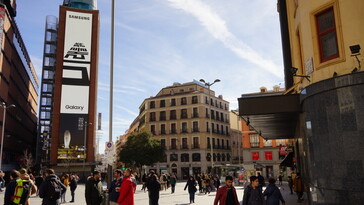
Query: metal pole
x=2 y=135
x=239 y=137
x=212 y=149
x=84 y=146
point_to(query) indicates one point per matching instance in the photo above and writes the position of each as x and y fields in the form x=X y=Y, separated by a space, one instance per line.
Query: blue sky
x=159 y=42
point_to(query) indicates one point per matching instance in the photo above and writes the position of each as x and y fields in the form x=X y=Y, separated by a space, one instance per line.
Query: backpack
x=54 y=191
x=22 y=191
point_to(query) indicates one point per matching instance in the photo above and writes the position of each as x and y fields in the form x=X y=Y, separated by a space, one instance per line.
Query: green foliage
x=141 y=149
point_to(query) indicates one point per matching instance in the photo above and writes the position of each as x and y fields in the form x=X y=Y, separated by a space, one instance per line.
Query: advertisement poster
x=75 y=86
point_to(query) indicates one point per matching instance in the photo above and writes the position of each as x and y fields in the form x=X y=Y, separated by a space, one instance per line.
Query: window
x=255 y=155
x=173 y=157
x=183 y=101
x=254 y=140
x=152 y=116
x=196 y=157
x=326 y=32
x=173 y=115
x=183 y=113
x=222 y=144
x=280 y=142
x=227 y=145
x=195 y=112
x=184 y=143
x=268 y=156
x=173 y=143
x=185 y=157
x=207 y=127
x=206 y=100
x=152 y=129
x=195 y=127
x=173 y=128
x=184 y=127
x=173 y=102
x=196 y=143
x=162 y=103
x=162 y=116
x=163 y=142
x=194 y=100
x=163 y=129
x=152 y=104
x=267 y=143
x=208 y=143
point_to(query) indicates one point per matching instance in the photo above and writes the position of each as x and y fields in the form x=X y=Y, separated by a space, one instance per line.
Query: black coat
x=93 y=192
x=154 y=187
x=10 y=189
x=191 y=184
x=44 y=187
x=73 y=184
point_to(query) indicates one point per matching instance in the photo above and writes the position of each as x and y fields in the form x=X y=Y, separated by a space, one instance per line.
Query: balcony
x=162 y=132
x=184 y=116
x=173 y=132
x=184 y=130
x=173 y=117
x=195 y=129
x=173 y=147
x=184 y=147
x=152 y=119
x=195 y=146
x=162 y=119
x=194 y=115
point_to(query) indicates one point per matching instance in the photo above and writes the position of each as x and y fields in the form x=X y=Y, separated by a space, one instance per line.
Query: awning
x=258 y=166
x=274 y=116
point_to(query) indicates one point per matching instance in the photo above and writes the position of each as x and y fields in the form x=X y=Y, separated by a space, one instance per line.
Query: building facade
x=18 y=86
x=322 y=107
x=179 y=116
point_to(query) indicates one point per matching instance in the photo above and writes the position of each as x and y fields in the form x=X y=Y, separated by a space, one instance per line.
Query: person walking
x=273 y=193
x=93 y=189
x=173 y=181
x=191 y=185
x=154 y=186
x=261 y=182
x=65 y=181
x=199 y=181
x=298 y=187
x=38 y=181
x=226 y=195
x=2 y=181
x=127 y=189
x=144 y=181
x=217 y=182
x=73 y=186
x=290 y=183
x=163 y=180
x=252 y=194
x=23 y=174
x=51 y=189
x=114 y=189
x=10 y=188
x=280 y=179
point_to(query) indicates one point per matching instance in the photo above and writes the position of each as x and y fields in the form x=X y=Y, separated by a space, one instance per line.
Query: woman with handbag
x=191 y=184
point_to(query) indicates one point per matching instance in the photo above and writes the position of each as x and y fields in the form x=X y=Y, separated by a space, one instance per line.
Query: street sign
x=108 y=145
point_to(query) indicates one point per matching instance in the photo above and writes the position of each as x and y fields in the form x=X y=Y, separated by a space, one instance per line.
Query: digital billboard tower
x=74 y=112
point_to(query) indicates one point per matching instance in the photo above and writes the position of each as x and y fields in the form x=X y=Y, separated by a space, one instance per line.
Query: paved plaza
x=180 y=197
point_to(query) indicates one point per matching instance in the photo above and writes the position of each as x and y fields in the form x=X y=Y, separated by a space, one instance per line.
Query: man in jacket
x=45 y=187
x=114 y=189
x=10 y=188
x=127 y=189
x=226 y=195
x=73 y=186
x=94 y=192
x=252 y=194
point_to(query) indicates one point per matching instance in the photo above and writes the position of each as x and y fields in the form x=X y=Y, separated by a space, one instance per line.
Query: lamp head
x=202 y=80
x=217 y=80
x=294 y=70
x=355 y=49
x=12 y=105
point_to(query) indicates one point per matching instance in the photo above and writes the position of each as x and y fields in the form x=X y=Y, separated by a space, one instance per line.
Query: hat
x=23 y=171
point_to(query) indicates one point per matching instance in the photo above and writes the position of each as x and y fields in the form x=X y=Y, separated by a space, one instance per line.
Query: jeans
x=192 y=197
x=173 y=186
x=73 y=195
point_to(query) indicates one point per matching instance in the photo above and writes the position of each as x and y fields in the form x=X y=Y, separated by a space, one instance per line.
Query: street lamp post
x=212 y=149
x=85 y=124
x=3 y=105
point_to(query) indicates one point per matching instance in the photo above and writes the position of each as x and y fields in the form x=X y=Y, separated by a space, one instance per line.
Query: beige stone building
x=179 y=117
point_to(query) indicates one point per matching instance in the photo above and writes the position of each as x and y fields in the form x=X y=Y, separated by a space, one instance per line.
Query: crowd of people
x=52 y=188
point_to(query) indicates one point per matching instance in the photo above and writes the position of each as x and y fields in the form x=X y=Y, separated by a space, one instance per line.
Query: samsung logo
x=74 y=107
x=79 y=17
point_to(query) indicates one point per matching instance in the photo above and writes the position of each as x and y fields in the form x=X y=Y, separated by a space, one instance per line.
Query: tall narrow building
x=179 y=116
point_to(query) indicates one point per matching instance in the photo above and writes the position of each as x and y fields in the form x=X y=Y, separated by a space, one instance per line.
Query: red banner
x=255 y=155
x=268 y=156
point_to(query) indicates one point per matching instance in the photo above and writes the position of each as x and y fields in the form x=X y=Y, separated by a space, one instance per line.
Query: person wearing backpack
x=51 y=189
x=94 y=190
x=10 y=188
x=29 y=182
x=273 y=193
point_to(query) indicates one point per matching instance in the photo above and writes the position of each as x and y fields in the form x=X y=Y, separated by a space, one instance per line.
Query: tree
x=28 y=159
x=141 y=149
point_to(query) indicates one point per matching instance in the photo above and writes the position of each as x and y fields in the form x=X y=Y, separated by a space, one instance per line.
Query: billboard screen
x=75 y=86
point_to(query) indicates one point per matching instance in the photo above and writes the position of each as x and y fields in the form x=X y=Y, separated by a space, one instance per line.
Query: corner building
x=179 y=116
x=322 y=107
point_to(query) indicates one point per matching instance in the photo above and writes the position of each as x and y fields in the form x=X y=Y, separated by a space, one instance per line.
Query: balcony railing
x=184 y=146
x=184 y=116
x=196 y=146
x=173 y=147
x=162 y=118
x=194 y=115
x=162 y=132
x=173 y=132
x=152 y=119
x=195 y=129
x=173 y=117
x=184 y=130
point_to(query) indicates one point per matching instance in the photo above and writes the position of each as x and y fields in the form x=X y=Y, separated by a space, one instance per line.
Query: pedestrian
x=261 y=182
x=38 y=181
x=114 y=189
x=199 y=181
x=51 y=189
x=127 y=189
x=273 y=193
x=163 y=180
x=206 y=183
x=298 y=187
x=73 y=186
x=290 y=183
x=23 y=174
x=65 y=181
x=226 y=195
x=154 y=186
x=252 y=194
x=217 y=182
x=93 y=189
x=280 y=179
x=173 y=181
x=191 y=185
x=2 y=181
x=144 y=181
x=10 y=188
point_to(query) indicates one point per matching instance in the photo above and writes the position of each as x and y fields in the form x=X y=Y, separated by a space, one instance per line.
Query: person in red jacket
x=226 y=195
x=127 y=189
